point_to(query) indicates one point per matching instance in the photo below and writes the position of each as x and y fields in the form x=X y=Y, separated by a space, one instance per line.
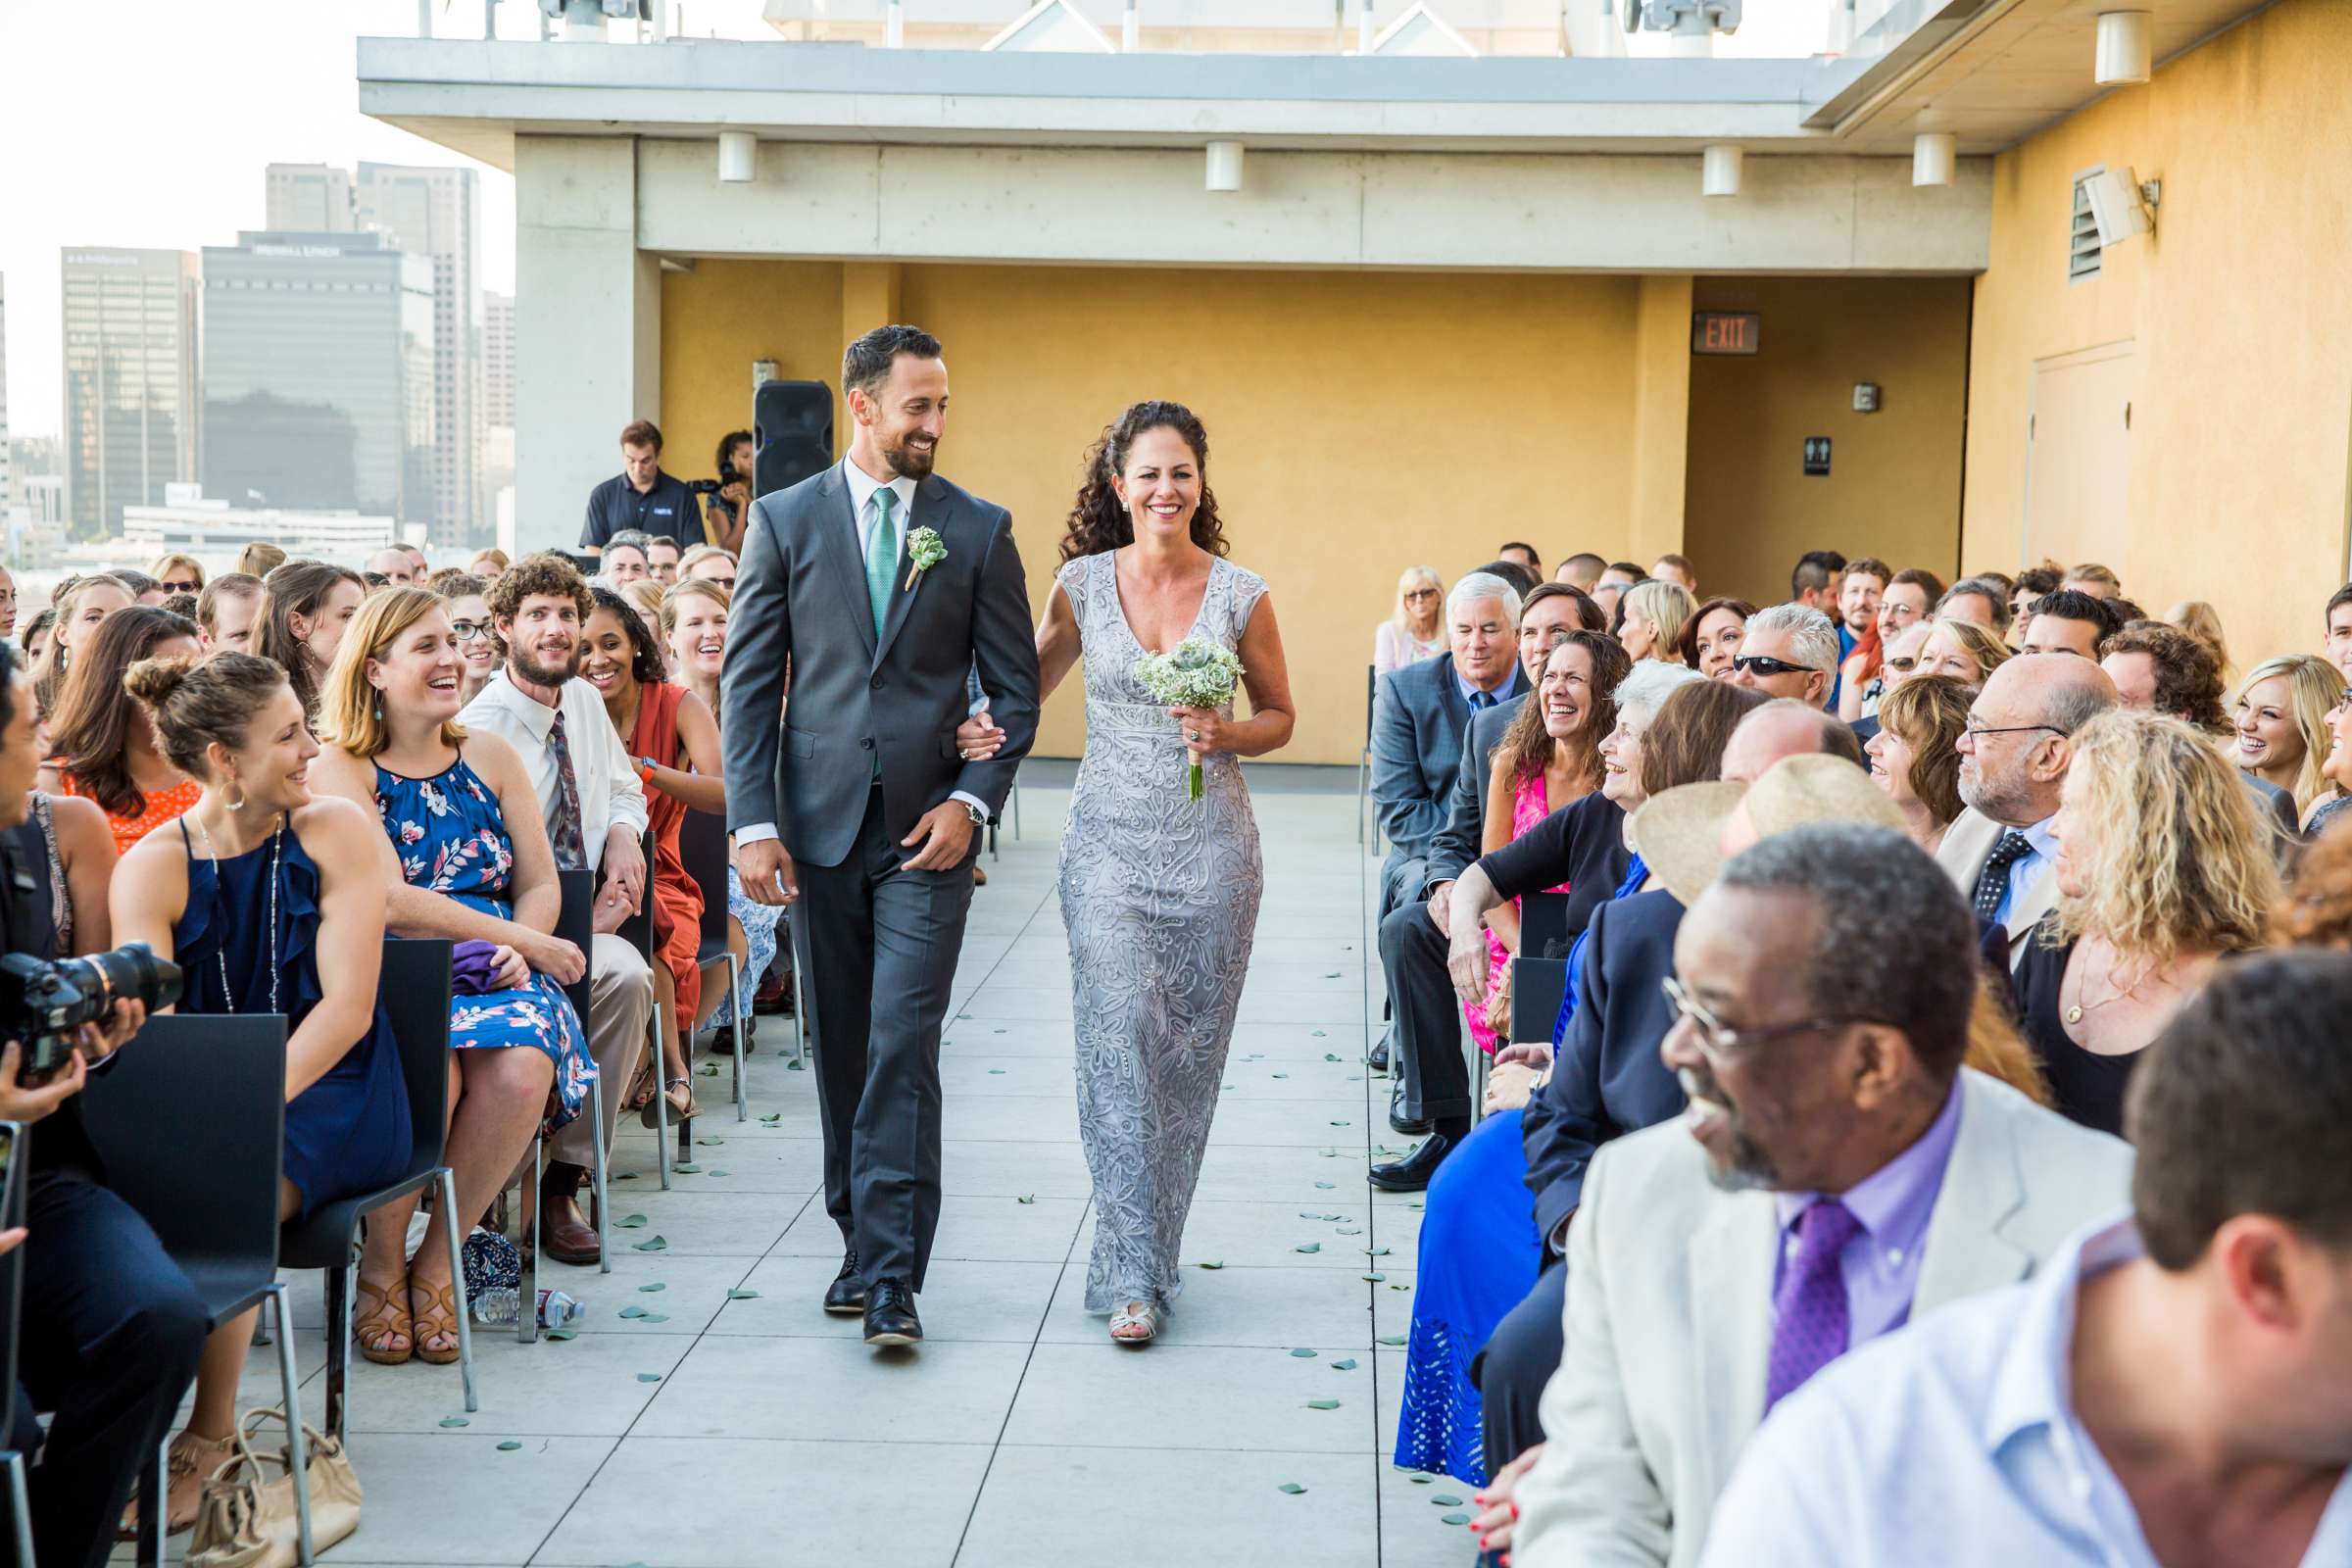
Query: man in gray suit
x=883 y=589
x=1839 y=1174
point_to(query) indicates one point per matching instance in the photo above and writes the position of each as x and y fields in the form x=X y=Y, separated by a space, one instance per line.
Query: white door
x=2079 y=457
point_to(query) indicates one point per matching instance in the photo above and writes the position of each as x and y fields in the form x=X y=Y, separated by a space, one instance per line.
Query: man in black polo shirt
x=640 y=497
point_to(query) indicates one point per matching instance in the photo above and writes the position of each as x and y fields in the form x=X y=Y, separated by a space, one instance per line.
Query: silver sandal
x=1136 y=1328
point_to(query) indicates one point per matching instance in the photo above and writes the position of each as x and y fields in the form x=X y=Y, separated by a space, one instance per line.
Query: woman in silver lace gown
x=1159 y=892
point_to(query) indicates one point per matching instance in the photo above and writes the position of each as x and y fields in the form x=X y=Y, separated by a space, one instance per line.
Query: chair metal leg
x=298 y=1461
x=799 y=1013
x=1478 y=1090
x=661 y=1098
x=743 y=1098
x=600 y=1195
x=1016 y=805
x=262 y=1338
x=526 y=1267
x=457 y=1273
x=1363 y=767
x=338 y=1346
x=19 y=1509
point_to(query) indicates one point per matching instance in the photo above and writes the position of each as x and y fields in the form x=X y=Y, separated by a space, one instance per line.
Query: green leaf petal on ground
x=1281 y=1075
x=1031 y=1199
x=1347 y=1365
x=456 y=1421
x=1327 y=1186
x=1291 y=1487
x=509 y=1446
x=656 y=1377
x=1303 y=1354
x=1455 y=1519
x=1330 y=1055
x=628 y=1222
x=1318 y=1034
x=1374 y=1279
x=686 y=1168
x=743 y=1296
x=996 y=1072
x=632 y=1311
x=1444 y=1501
x=1208 y=1265
x=656 y=1318
x=774 y=1119
x=654 y=1245
x=1376 y=1251
x=624 y=1175
x=1393 y=1339
x=656 y=1286
x=710 y=1069
x=719 y=1173
x=1334 y=976
x=707 y=1142
x=1322 y=1404
x=1351 y=1230
x=1420 y=1478
x=1340 y=1125
x=1310 y=1247
x=563 y=1334
x=796 y=1064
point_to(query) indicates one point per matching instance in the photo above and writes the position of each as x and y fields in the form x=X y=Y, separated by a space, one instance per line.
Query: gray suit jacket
x=1419 y=719
x=1967 y=843
x=1457 y=842
x=1669 y=1317
x=801 y=601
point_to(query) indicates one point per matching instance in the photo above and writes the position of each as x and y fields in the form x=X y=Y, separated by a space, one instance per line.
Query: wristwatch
x=978 y=816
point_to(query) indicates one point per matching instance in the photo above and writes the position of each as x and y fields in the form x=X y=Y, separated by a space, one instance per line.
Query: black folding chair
x=1537 y=987
x=575 y=924
x=638 y=932
x=703 y=847
x=11 y=1322
x=1363 y=761
x=413 y=986
x=191 y=1124
x=1544 y=925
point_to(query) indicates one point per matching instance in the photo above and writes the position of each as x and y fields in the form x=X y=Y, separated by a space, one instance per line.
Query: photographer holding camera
x=111 y=1329
x=727 y=499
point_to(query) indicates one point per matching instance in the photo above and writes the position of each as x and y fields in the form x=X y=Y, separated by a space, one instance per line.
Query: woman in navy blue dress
x=270 y=902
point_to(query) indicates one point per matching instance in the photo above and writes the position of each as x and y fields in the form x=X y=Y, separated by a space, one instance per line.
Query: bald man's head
x=1784 y=727
x=2020 y=738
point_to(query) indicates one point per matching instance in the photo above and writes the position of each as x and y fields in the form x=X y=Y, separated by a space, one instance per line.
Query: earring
x=237 y=804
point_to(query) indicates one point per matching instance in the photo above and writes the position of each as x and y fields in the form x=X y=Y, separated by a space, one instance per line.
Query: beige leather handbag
x=247 y=1519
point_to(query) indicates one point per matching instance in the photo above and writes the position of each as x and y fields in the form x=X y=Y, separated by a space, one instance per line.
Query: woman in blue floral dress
x=463 y=824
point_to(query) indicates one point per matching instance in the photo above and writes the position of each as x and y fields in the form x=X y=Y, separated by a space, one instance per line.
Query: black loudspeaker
x=792 y=428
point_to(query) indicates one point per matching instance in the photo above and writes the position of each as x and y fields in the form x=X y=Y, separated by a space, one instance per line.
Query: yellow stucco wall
x=2238 y=306
x=1893 y=486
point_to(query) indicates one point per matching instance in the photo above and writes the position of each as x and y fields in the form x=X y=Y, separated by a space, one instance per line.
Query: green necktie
x=881 y=556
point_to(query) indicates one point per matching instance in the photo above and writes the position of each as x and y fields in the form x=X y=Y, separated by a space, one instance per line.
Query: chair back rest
x=1538 y=987
x=703 y=846
x=16 y=1181
x=1544 y=925
x=190 y=1121
x=413 y=988
x=575 y=924
x=638 y=929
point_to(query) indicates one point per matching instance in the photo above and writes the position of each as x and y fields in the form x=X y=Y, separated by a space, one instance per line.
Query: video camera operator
x=727 y=499
x=641 y=496
x=111 y=1329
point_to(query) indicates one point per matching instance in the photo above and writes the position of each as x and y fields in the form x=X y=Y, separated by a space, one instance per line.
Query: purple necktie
x=572 y=854
x=1813 y=1324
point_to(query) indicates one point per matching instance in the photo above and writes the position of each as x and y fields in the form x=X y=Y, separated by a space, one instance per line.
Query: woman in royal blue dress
x=458 y=817
x=270 y=900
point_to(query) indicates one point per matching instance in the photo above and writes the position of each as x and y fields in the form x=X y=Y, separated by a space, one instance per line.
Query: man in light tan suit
x=1838 y=1175
x=2013 y=760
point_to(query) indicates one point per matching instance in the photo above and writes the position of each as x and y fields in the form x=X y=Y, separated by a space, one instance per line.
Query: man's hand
x=624 y=866
x=977 y=738
x=1535 y=1054
x=767 y=872
x=1466 y=962
x=1440 y=908
x=945 y=833
x=19 y=1103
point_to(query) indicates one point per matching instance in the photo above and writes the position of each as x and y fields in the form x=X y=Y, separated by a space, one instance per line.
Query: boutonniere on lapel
x=923 y=552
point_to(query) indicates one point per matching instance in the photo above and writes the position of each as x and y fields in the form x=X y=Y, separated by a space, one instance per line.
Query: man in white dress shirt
x=595 y=812
x=2175 y=1388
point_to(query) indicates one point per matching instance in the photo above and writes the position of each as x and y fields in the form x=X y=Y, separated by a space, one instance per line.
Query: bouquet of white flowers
x=1195 y=674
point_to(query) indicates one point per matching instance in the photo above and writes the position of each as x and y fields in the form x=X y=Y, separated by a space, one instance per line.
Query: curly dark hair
x=2189 y=677
x=542 y=573
x=646 y=664
x=1526 y=745
x=1098 y=521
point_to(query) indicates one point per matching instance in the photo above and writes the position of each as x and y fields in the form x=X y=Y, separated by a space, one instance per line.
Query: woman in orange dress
x=101 y=744
x=667 y=728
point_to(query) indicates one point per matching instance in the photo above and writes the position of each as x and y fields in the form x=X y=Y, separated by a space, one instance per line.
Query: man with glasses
x=2014 y=755
x=1837 y=1175
x=1789 y=650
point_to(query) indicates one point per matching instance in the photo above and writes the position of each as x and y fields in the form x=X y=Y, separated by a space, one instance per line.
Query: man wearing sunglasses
x=1837 y=1175
x=1789 y=650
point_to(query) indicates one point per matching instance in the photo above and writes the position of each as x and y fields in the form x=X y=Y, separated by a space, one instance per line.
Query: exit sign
x=1726 y=331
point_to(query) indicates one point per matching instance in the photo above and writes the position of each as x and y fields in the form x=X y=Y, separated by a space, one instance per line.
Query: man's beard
x=909 y=463
x=543 y=674
x=1750 y=1168
x=1989 y=798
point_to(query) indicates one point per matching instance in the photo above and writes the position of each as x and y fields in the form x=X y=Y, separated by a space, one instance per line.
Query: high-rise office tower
x=436 y=214
x=310 y=198
x=319 y=374
x=130 y=337
x=497 y=359
x=8 y=488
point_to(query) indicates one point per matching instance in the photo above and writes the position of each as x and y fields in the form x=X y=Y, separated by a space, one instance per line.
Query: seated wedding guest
x=1582 y=572
x=1915 y=756
x=81 y=605
x=226 y=610
x=258 y=559
x=2070 y=622
x=1981 y=600
x=144 y=589
x=72 y=845
x=709 y=564
x=101 y=745
x=1650 y=617
x=623 y=560
x=110 y=1328
x=1711 y=636
x=1789 y=650
x=1963 y=650
x=662 y=560
x=1615 y=579
x=305 y=607
x=2281 y=717
x=2034 y=1408
x=1839 y=1172
x=179 y=573
x=1813 y=582
x=464 y=857
x=2161 y=668
x=1522 y=554
x=465 y=599
x=270 y=900
x=671 y=733
x=488 y=563
x=2014 y=757
x=1898 y=662
x=1676 y=570
x=181 y=604
x=1904 y=602
x=392 y=564
x=1425 y=1040
x=1783 y=726
x=593 y=808
x=1416 y=629
x=34 y=637
x=2317 y=911
x=2201 y=621
x=2339 y=769
x=694 y=634
x=2095 y=580
x=2030 y=584
x=2162 y=871
x=644 y=595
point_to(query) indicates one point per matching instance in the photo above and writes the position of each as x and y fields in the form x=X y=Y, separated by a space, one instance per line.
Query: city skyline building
x=497 y=359
x=435 y=212
x=310 y=198
x=319 y=374
x=130 y=337
x=8 y=488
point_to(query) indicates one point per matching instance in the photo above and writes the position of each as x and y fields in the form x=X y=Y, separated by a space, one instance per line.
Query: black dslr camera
x=45 y=1004
x=710 y=487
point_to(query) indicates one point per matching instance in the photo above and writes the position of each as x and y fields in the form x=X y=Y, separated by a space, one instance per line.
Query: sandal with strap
x=641 y=1090
x=187 y=1464
x=1137 y=1323
x=677 y=1115
x=385 y=1319
x=437 y=1321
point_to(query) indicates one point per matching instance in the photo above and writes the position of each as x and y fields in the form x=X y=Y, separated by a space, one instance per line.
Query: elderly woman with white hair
x=1416 y=629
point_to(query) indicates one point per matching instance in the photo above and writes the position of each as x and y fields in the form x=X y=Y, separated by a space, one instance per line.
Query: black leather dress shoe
x=1377 y=1058
x=1411 y=1127
x=889 y=1315
x=1411 y=1173
x=846 y=1296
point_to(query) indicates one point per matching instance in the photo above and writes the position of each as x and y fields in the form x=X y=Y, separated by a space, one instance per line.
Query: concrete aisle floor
x=753 y=1431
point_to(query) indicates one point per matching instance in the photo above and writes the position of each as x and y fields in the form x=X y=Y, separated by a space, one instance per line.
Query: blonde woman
x=2200 y=620
x=488 y=563
x=1650 y=617
x=1963 y=650
x=179 y=573
x=1416 y=630
x=2162 y=871
x=2281 y=719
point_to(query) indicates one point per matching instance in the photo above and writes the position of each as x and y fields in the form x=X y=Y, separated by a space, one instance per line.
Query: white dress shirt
x=601 y=765
x=2029 y=868
x=1954 y=1442
x=862 y=487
